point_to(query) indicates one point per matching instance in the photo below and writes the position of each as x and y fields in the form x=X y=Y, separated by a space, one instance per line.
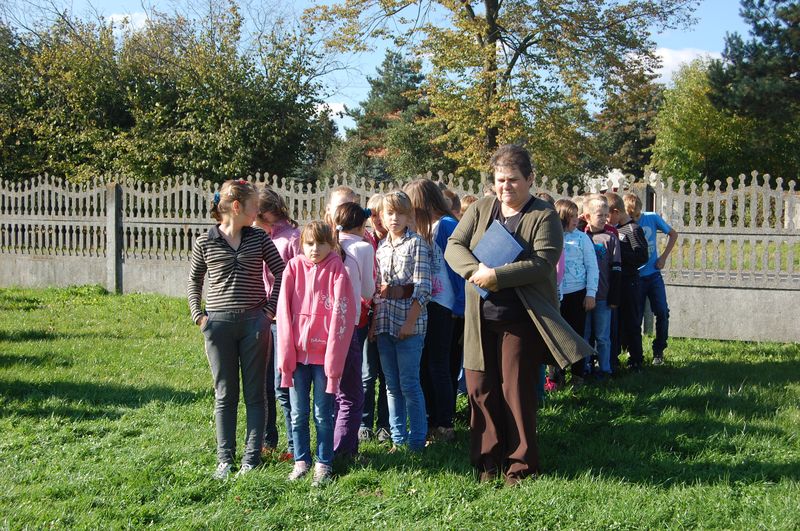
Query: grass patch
x=106 y=412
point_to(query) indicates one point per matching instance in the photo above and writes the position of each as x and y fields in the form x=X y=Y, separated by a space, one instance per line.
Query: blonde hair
x=375 y=203
x=578 y=200
x=397 y=201
x=566 y=210
x=427 y=201
x=320 y=232
x=231 y=190
x=595 y=201
x=615 y=201
x=633 y=205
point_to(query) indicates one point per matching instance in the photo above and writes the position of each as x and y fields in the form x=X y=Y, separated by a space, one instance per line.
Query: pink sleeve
x=287 y=359
x=560 y=267
x=342 y=327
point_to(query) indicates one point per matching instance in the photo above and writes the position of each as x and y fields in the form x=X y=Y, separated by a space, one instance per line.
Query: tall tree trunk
x=490 y=70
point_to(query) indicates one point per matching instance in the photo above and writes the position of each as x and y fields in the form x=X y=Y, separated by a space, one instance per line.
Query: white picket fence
x=740 y=234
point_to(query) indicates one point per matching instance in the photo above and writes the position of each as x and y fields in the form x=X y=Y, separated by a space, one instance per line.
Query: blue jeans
x=303 y=377
x=400 y=361
x=598 y=326
x=281 y=393
x=652 y=287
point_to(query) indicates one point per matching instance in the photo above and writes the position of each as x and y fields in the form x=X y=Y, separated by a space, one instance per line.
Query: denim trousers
x=303 y=378
x=437 y=386
x=270 y=427
x=348 y=405
x=281 y=396
x=400 y=361
x=652 y=288
x=598 y=327
x=238 y=341
x=371 y=372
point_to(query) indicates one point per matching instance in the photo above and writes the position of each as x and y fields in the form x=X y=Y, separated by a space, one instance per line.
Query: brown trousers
x=504 y=399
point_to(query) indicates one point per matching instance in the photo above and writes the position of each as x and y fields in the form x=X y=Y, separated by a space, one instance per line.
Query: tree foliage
x=697 y=142
x=181 y=95
x=497 y=65
x=761 y=77
x=394 y=133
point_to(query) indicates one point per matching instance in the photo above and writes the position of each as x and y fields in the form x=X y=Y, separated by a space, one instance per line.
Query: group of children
x=610 y=267
x=320 y=292
x=346 y=304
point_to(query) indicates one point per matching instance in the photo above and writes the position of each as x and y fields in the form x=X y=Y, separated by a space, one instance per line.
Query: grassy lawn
x=106 y=416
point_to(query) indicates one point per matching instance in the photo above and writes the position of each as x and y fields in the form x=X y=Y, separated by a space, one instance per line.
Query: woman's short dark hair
x=512 y=156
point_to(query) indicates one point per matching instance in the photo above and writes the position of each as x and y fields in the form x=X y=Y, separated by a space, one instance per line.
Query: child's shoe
x=658 y=359
x=244 y=469
x=300 y=469
x=383 y=435
x=322 y=475
x=223 y=471
x=550 y=385
x=364 y=434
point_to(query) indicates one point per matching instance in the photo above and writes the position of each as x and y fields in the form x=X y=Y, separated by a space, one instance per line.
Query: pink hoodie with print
x=316 y=317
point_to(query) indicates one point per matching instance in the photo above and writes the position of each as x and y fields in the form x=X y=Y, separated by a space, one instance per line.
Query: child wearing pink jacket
x=316 y=319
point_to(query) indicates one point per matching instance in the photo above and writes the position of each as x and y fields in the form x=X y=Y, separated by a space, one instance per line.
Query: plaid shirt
x=406 y=260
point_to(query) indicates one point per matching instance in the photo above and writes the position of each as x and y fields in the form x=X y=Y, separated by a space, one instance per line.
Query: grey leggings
x=237 y=340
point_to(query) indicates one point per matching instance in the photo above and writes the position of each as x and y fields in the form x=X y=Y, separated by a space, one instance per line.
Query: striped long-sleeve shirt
x=235 y=277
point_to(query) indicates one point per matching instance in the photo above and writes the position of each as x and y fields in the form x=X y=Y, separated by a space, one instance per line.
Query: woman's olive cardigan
x=533 y=276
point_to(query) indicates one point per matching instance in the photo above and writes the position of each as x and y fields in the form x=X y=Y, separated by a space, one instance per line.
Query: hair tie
x=339 y=228
x=367 y=212
x=216 y=197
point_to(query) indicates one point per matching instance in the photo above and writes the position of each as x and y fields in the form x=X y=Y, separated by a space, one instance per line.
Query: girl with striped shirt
x=236 y=319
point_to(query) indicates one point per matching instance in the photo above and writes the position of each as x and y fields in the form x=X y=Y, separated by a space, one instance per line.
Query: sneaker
x=300 y=469
x=364 y=434
x=223 y=471
x=658 y=359
x=577 y=382
x=244 y=469
x=550 y=385
x=285 y=457
x=383 y=435
x=322 y=475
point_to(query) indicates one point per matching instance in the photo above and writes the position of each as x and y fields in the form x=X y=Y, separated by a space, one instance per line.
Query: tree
x=492 y=61
x=394 y=137
x=625 y=124
x=695 y=141
x=761 y=78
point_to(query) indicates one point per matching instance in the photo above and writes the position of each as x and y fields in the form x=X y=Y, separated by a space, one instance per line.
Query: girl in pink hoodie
x=316 y=319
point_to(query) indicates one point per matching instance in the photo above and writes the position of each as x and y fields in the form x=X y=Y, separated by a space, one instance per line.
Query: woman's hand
x=485 y=278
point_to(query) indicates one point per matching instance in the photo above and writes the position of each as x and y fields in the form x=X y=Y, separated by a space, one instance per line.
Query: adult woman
x=508 y=334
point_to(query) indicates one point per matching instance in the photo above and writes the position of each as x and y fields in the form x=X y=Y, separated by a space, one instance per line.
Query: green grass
x=106 y=421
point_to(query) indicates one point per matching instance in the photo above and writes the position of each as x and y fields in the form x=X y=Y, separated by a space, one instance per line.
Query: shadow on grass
x=83 y=400
x=698 y=423
x=10 y=302
x=22 y=336
x=49 y=359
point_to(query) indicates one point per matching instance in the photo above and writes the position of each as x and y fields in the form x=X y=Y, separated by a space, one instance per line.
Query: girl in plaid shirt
x=404 y=263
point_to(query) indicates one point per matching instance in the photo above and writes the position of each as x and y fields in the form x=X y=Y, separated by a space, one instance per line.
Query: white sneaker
x=300 y=469
x=245 y=468
x=658 y=360
x=223 y=471
x=322 y=474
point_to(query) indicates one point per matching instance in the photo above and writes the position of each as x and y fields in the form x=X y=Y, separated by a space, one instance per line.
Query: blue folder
x=496 y=248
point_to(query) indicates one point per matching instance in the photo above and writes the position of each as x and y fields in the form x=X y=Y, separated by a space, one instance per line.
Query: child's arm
x=592 y=271
x=341 y=329
x=615 y=278
x=287 y=361
x=672 y=238
x=422 y=287
x=274 y=262
x=197 y=273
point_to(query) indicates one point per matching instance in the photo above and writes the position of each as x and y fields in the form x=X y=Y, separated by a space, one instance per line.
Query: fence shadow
x=699 y=423
x=48 y=359
x=84 y=400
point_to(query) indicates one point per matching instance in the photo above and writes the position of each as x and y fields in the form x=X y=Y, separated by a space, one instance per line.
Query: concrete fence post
x=114 y=238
